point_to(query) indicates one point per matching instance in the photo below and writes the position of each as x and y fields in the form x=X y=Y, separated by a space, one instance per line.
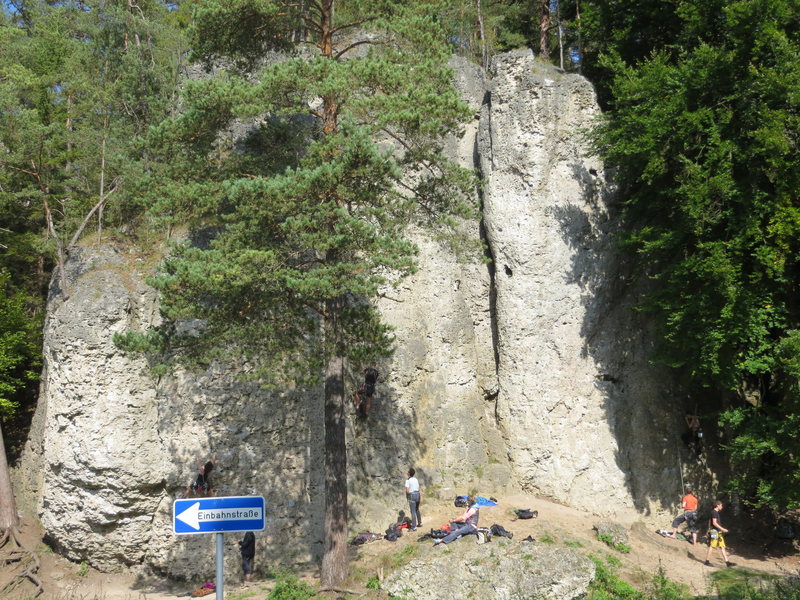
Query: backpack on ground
x=365 y=537
x=500 y=531
x=526 y=513
x=392 y=533
x=438 y=534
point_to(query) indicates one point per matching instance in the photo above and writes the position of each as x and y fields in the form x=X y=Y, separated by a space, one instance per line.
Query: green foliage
x=607 y=586
x=662 y=588
x=289 y=587
x=547 y=539
x=20 y=353
x=78 y=80
x=700 y=133
x=765 y=448
x=83 y=569
x=608 y=539
x=746 y=584
x=373 y=583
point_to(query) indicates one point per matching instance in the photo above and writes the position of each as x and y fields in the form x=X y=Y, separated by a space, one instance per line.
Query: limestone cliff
x=529 y=372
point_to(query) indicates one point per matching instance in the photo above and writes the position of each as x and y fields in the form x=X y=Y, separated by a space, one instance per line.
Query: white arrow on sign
x=191 y=516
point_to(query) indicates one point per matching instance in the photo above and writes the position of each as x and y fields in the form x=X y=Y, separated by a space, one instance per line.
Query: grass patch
x=398 y=559
x=609 y=541
x=373 y=583
x=547 y=539
x=83 y=569
x=614 y=561
x=289 y=587
x=433 y=491
x=607 y=586
x=662 y=588
x=243 y=595
x=745 y=584
x=573 y=544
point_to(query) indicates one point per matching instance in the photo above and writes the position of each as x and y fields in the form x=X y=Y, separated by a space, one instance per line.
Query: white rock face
x=574 y=383
x=501 y=572
x=116 y=445
x=530 y=373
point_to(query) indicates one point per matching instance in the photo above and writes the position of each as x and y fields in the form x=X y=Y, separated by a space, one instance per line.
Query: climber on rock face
x=201 y=486
x=693 y=436
x=363 y=396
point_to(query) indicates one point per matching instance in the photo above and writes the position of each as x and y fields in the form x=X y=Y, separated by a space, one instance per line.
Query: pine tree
x=310 y=213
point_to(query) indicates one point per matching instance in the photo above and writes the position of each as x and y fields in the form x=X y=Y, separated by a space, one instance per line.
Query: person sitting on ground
x=715 y=538
x=201 y=486
x=689 y=516
x=463 y=525
x=363 y=396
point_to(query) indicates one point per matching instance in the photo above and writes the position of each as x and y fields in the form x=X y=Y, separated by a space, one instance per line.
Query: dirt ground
x=556 y=524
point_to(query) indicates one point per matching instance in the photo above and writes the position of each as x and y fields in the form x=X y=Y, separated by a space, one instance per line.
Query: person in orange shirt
x=689 y=516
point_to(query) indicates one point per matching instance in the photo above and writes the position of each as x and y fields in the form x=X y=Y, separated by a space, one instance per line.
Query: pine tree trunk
x=544 y=29
x=334 y=561
x=8 y=508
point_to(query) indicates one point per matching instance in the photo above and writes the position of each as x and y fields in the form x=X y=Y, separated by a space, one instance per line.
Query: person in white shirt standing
x=414 y=496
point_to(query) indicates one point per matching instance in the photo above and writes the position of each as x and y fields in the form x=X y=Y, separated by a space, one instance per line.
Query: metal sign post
x=193 y=516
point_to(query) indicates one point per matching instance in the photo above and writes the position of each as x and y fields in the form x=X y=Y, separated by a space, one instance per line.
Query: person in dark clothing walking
x=715 y=537
x=248 y=549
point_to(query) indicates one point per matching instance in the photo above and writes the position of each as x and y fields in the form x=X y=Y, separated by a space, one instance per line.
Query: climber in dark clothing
x=693 y=436
x=201 y=486
x=363 y=395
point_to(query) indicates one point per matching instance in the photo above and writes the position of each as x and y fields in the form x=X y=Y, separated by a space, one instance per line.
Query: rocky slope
x=528 y=373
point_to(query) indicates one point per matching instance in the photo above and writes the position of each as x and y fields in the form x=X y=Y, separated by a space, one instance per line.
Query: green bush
x=745 y=584
x=607 y=586
x=662 y=588
x=289 y=587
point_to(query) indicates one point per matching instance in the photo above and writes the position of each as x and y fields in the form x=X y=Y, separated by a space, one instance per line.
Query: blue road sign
x=217 y=515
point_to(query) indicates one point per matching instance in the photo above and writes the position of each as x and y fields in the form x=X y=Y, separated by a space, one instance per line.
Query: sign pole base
x=220 y=565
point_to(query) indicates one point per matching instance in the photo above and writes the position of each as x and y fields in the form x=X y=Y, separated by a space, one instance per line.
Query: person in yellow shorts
x=715 y=537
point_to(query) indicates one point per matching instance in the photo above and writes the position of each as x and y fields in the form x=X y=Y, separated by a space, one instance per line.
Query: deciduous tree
x=702 y=133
